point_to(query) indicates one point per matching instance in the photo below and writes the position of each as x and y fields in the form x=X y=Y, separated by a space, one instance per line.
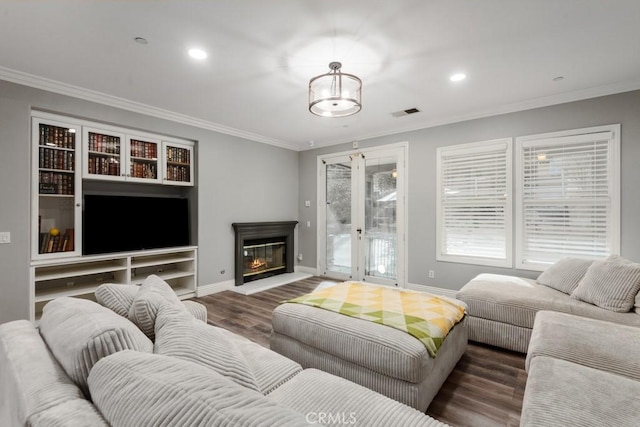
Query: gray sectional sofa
x=154 y=363
x=579 y=324
x=502 y=309
x=581 y=372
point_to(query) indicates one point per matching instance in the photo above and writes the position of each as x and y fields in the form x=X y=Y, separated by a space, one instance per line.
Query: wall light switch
x=309 y=224
x=5 y=237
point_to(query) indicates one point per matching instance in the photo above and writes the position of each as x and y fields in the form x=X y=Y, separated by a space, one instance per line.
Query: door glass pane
x=338 y=214
x=380 y=218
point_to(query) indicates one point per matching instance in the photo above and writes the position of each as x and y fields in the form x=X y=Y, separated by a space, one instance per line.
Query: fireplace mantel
x=263 y=230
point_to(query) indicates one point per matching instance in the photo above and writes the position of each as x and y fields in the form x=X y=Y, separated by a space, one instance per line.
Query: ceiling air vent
x=405 y=112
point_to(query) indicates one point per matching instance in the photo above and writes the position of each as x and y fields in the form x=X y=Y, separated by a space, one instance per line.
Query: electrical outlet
x=432 y=274
x=299 y=257
x=354 y=144
x=307 y=203
x=308 y=224
x=5 y=237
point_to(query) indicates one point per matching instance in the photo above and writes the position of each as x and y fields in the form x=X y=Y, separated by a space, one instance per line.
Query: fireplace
x=263 y=249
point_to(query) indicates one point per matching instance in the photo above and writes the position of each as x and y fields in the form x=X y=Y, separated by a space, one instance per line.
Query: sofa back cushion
x=117 y=297
x=565 y=274
x=180 y=335
x=153 y=294
x=610 y=285
x=135 y=389
x=80 y=332
x=619 y=259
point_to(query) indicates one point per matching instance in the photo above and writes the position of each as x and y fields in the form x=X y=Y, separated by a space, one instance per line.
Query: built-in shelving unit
x=79 y=277
x=71 y=154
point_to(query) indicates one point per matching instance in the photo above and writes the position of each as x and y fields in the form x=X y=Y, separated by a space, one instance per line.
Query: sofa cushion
x=153 y=294
x=315 y=392
x=35 y=389
x=600 y=345
x=610 y=285
x=618 y=258
x=561 y=393
x=515 y=301
x=80 y=332
x=119 y=298
x=565 y=275
x=135 y=389
x=181 y=336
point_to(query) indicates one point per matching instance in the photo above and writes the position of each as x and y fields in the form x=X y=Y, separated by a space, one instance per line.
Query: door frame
x=402 y=219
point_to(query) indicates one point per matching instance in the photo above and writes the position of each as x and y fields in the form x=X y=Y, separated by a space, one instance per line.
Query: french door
x=362 y=215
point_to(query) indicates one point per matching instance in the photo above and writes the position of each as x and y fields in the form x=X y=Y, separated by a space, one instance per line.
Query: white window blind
x=568 y=197
x=474 y=203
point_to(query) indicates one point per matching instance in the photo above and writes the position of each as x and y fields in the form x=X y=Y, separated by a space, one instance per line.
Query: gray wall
x=621 y=108
x=237 y=180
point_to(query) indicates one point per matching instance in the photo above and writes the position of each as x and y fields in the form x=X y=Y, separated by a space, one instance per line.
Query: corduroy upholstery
x=316 y=392
x=378 y=357
x=561 y=393
x=136 y=389
x=80 y=332
x=600 y=345
x=119 y=298
x=502 y=309
x=34 y=388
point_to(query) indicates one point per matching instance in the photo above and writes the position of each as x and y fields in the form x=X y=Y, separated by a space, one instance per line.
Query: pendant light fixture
x=335 y=94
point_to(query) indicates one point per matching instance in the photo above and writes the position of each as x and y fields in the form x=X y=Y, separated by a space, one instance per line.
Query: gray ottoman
x=378 y=357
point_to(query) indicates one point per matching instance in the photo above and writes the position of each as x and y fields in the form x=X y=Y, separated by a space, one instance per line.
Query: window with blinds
x=474 y=203
x=567 y=196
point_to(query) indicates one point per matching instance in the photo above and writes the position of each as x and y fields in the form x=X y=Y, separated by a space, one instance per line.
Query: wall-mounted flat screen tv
x=129 y=223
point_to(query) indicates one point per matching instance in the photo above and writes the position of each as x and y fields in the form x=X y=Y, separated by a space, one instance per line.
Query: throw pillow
x=618 y=258
x=117 y=297
x=153 y=294
x=180 y=335
x=610 y=285
x=565 y=275
x=136 y=389
x=80 y=332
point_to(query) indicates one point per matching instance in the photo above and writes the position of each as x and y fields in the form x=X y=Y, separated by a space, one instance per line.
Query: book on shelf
x=58 y=243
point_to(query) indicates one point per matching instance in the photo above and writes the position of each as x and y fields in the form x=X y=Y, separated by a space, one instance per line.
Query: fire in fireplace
x=263 y=249
x=263 y=258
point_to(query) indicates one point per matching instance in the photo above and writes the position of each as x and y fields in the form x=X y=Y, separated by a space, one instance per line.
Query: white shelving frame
x=80 y=276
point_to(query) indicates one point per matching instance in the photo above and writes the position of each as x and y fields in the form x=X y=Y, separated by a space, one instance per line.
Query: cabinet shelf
x=72 y=291
x=80 y=277
x=69 y=271
x=102 y=153
x=165 y=275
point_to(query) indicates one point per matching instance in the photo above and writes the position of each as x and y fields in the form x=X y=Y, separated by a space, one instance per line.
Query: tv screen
x=128 y=223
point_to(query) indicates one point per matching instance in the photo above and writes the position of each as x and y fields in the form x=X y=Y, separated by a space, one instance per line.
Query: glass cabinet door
x=56 y=189
x=103 y=155
x=143 y=159
x=178 y=164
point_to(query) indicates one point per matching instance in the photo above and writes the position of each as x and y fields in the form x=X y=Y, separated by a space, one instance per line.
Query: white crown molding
x=55 y=86
x=546 y=101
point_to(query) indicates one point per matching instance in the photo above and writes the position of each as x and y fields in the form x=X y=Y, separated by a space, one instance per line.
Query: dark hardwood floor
x=485 y=388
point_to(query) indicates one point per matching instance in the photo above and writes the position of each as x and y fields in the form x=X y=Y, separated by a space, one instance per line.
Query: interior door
x=362 y=216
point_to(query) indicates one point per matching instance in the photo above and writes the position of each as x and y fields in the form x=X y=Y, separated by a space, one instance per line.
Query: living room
x=235 y=165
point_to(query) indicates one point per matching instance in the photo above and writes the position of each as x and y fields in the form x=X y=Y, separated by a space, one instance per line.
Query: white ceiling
x=263 y=53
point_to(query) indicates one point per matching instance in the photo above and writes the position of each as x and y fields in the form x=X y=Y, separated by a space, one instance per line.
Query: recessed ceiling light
x=458 y=77
x=140 y=40
x=197 y=53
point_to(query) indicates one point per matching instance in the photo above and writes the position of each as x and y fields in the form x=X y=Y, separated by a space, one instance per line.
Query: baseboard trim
x=305 y=269
x=214 y=288
x=432 y=289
